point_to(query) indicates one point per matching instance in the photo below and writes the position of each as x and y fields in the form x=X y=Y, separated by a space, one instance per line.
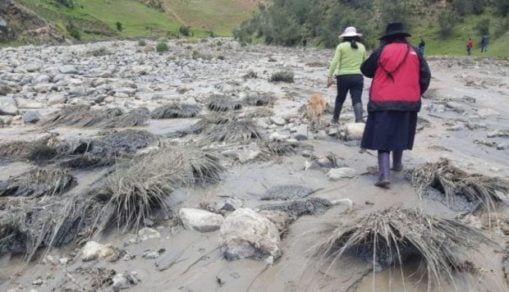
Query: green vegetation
x=162 y=47
x=444 y=28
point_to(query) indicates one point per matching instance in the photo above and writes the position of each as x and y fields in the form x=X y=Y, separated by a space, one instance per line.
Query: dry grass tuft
x=282 y=76
x=259 y=99
x=37 y=183
x=451 y=182
x=233 y=130
x=394 y=236
x=219 y=103
x=137 y=191
x=37 y=151
x=280 y=148
x=84 y=116
x=176 y=110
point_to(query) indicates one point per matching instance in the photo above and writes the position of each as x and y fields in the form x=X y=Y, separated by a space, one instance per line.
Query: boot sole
x=383 y=184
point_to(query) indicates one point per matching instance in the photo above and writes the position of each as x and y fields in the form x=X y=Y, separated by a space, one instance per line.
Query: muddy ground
x=464 y=119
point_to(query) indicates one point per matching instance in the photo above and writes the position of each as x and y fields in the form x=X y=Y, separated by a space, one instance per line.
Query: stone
x=31 y=117
x=68 y=69
x=38 y=282
x=341 y=173
x=148 y=233
x=200 y=220
x=56 y=98
x=278 y=137
x=455 y=106
x=301 y=133
x=502 y=146
x=279 y=121
x=354 y=131
x=280 y=218
x=94 y=250
x=123 y=281
x=8 y=106
x=247 y=234
x=24 y=103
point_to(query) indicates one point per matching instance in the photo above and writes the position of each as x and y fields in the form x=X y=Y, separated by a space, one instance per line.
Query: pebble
x=148 y=233
x=341 y=173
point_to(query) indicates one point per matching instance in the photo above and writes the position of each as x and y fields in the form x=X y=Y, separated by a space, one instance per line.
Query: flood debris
x=282 y=76
x=38 y=151
x=287 y=192
x=176 y=110
x=38 y=182
x=221 y=103
x=259 y=99
x=280 y=148
x=232 y=130
x=396 y=237
x=85 y=116
x=458 y=186
x=136 y=190
x=300 y=207
x=106 y=149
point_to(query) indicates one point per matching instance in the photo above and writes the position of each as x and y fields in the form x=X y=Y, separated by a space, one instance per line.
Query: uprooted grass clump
x=280 y=148
x=282 y=76
x=107 y=149
x=176 y=110
x=453 y=184
x=38 y=151
x=259 y=99
x=37 y=183
x=85 y=116
x=393 y=237
x=220 y=103
x=140 y=188
x=232 y=130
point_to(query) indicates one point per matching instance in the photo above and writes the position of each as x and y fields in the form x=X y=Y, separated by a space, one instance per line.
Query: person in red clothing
x=470 y=45
x=400 y=76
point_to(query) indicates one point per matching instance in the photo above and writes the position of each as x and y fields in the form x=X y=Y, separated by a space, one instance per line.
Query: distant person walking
x=345 y=66
x=400 y=77
x=422 y=46
x=470 y=45
x=484 y=43
x=304 y=43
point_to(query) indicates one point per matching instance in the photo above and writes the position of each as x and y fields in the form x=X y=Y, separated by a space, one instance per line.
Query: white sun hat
x=350 y=32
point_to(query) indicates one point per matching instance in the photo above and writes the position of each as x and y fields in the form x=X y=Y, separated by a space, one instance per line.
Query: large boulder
x=354 y=131
x=200 y=220
x=247 y=234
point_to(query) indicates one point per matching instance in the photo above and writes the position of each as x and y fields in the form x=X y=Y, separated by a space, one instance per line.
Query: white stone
x=278 y=137
x=56 y=98
x=246 y=233
x=68 y=69
x=354 y=131
x=8 y=106
x=148 y=233
x=341 y=173
x=200 y=220
x=93 y=250
x=31 y=117
x=278 y=121
x=301 y=132
x=29 y=104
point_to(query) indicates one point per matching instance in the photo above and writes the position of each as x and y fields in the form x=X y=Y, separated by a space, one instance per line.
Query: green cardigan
x=347 y=60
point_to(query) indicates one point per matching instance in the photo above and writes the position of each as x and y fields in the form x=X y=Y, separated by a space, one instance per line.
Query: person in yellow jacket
x=346 y=68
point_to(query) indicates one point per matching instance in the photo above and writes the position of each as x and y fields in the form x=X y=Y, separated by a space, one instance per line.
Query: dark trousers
x=348 y=83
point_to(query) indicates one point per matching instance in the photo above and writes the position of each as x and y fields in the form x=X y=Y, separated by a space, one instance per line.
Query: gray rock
x=247 y=234
x=124 y=281
x=24 y=103
x=301 y=133
x=341 y=173
x=200 y=220
x=8 y=106
x=68 y=69
x=279 y=121
x=56 y=98
x=148 y=233
x=502 y=146
x=93 y=250
x=31 y=117
x=168 y=259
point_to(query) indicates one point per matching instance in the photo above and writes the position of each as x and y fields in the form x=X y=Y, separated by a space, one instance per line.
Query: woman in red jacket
x=400 y=77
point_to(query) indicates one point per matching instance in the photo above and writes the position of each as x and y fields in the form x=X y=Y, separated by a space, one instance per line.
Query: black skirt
x=390 y=130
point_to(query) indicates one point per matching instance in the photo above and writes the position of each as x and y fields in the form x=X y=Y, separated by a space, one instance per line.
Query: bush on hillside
x=446 y=21
x=483 y=26
x=142 y=43
x=501 y=7
x=465 y=7
x=185 y=30
x=73 y=30
x=162 y=47
x=119 y=26
x=66 y=3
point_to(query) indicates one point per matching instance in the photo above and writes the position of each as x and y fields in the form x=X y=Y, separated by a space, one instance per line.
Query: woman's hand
x=330 y=81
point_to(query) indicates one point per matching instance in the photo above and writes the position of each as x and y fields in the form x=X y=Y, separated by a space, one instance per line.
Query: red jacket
x=400 y=76
x=470 y=44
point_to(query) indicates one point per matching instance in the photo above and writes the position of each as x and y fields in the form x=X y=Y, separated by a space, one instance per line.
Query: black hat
x=395 y=29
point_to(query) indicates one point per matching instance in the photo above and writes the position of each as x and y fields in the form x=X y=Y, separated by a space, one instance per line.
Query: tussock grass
x=280 y=148
x=38 y=182
x=450 y=181
x=84 y=116
x=233 y=130
x=219 y=103
x=259 y=99
x=137 y=190
x=176 y=110
x=38 y=150
x=391 y=237
x=282 y=76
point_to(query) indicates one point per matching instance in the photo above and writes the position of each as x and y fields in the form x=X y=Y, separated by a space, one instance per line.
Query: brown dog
x=315 y=108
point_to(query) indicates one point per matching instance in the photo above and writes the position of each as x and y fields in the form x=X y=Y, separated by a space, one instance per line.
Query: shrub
x=483 y=26
x=185 y=30
x=142 y=43
x=66 y=3
x=446 y=20
x=282 y=76
x=73 y=30
x=162 y=47
x=119 y=26
x=502 y=7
